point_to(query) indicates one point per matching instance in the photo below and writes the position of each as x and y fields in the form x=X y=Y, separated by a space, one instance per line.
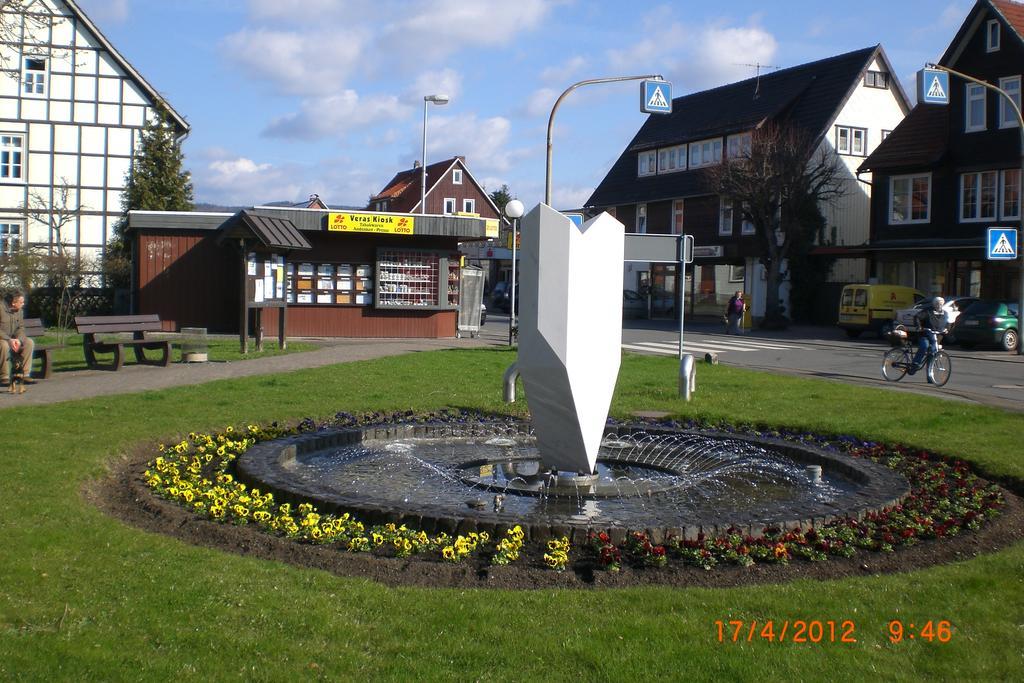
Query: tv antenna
x=757 y=74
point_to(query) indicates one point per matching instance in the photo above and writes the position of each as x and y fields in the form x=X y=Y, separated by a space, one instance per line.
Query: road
x=984 y=376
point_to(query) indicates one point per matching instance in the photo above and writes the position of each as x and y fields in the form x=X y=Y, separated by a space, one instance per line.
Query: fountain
x=567 y=473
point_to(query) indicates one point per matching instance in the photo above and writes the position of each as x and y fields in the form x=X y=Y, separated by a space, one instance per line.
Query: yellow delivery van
x=869 y=307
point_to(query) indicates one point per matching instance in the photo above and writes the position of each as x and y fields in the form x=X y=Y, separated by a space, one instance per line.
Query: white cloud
x=482 y=142
x=336 y=116
x=561 y=73
x=239 y=181
x=570 y=197
x=444 y=82
x=539 y=102
x=296 y=62
x=442 y=26
x=725 y=54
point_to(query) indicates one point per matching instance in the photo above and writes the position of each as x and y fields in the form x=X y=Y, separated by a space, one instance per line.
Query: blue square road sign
x=933 y=86
x=1002 y=244
x=655 y=97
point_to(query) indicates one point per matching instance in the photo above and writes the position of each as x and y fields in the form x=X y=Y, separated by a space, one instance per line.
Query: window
x=746 y=227
x=1009 y=205
x=10 y=238
x=910 y=199
x=886 y=133
x=647 y=163
x=1007 y=117
x=705 y=153
x=641 y=218
x=978 y=193
x=34 y=77
x=672 y=159
x=974 y=108
x=725 y=218
x=457 y=176
x=876 y=79
x=992 y=35
x=853 y=141
x=11 y=150
x=469 y=205
x=449 y=205
x=739 y=146
x=677 y=217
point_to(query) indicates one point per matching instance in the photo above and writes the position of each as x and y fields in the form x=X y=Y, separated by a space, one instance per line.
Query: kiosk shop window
x=346 y=284
x=417 y=278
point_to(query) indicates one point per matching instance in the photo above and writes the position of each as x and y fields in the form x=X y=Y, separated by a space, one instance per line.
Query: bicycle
x=900 y=359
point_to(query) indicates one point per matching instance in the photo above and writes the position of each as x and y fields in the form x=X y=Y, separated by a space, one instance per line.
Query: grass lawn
x=220 y=348
x=83 y=597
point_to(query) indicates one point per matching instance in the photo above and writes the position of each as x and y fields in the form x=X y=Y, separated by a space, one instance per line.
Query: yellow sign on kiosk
x=381 y=223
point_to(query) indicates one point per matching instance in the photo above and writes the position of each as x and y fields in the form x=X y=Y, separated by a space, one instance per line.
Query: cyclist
x=931 y=322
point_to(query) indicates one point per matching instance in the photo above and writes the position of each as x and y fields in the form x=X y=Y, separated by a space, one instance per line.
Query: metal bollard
x=511 y=375
x=687 y=376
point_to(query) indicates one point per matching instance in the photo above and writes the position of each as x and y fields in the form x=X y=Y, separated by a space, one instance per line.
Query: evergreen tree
x=156 y=182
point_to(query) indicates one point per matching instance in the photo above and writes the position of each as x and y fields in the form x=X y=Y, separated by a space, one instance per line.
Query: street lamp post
x=1020 y=192
x=551 y=119
x=438 y=100
x=514 y=210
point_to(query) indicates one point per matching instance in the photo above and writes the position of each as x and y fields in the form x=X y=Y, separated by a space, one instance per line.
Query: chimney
x=416 y=164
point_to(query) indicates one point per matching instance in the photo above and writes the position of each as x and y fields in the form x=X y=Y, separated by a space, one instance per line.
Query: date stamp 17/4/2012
x=827 y=631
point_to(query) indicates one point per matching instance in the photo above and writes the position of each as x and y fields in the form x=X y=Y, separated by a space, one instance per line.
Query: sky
x=287 y=98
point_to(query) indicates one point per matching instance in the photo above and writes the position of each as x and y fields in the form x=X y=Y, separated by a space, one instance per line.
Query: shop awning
x=272 y=233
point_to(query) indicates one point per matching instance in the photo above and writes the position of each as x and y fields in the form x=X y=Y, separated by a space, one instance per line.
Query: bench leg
x=118 y=357
x=165 y=353
x=90 y=354
x=45 y=362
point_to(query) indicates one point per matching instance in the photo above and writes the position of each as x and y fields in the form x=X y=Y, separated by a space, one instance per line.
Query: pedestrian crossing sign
x=933 y=86
x=1002 y=244
x=655 y=97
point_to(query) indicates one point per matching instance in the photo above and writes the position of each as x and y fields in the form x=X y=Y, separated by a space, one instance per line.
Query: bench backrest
x=34 y=327
x=111 y=324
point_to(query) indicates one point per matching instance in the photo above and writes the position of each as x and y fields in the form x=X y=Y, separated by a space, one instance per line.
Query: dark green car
x=988 y=322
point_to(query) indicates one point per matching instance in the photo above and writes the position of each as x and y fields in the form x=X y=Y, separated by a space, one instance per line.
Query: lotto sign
x=656 y=97
x=1002 y=244
x=933 y=86
x=390 y=224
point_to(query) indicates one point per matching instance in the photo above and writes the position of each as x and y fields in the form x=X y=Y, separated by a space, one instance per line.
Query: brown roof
x=918 y=140
x=404 y=189
x=1013 y=12
x=273 y=233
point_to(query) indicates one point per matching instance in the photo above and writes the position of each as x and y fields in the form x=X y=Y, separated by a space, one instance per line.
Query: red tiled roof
x=1013 y=12
x=403 y=190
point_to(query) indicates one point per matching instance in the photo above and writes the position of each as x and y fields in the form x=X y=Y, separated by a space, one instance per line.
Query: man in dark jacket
x=14 y=344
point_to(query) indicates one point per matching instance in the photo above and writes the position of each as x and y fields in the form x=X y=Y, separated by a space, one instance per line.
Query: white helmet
x=937 y=303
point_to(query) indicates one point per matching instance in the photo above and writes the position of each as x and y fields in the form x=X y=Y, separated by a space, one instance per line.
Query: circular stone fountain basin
x=488 y=477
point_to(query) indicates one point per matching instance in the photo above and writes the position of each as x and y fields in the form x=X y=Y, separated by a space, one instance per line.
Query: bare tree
x=61 y=268
x=26 y=25
x=779 y=185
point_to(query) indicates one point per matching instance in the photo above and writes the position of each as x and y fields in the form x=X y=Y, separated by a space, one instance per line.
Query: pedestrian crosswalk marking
x=706 y=346
x=935 y=90
x=1003 y=246
x=657 y=100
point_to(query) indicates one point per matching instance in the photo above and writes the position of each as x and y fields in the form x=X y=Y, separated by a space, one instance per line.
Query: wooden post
x=259 y=328
x=243 y=323
x=283 y=311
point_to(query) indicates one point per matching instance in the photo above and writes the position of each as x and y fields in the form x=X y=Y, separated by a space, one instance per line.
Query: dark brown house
x=948 y=173
x=451 y=189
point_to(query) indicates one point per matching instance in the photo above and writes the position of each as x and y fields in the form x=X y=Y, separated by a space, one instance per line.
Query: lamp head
x=436 y=99
x=515 y=209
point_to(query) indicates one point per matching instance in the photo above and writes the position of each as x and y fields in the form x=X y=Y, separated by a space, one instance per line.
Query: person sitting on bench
x=14 y=344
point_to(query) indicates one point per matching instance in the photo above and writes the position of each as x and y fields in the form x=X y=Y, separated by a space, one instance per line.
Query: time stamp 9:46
x=827 y=631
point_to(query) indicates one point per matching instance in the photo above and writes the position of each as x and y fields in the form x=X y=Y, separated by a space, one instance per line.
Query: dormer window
x=992 y=35
x=34 y=77
x=457 y=176
x=876 y=79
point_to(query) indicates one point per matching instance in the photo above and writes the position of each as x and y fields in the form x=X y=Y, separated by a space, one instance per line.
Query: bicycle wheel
x=940 y=368
x=895 y=364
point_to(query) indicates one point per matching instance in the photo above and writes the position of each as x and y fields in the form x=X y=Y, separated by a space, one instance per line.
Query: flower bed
x=946 y=498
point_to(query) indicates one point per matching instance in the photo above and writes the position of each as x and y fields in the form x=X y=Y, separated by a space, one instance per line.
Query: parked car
x=954 y=306
x=499 y=296
x=871 y=307
x=989 y=322
x=633 y=305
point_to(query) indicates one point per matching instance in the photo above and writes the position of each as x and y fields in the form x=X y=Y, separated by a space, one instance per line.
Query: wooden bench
x=138 y=325
x=34 y=328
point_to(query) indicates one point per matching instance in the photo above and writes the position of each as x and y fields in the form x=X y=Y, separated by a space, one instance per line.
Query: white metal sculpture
x=570 y=332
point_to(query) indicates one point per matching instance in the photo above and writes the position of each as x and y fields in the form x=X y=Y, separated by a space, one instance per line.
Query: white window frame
x=647 y=163
x=738 y=146
x=678 y=217
x=1003 y=214
x=992 y=37
x=975 y=180
x=708 y=152
x=40 y=78
x=641 y=219
x=1007 y=117
x=469 y=206
x=852 y=133
x=725 y=217
x=975 y=92
x=672 y=159
x=457 y=176
x=12 y=156
x=892 y=199
x=449 y=206
x=12 y=237
x=886 y=133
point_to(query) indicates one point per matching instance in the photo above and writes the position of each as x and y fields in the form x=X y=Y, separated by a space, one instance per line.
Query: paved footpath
x=65 y=386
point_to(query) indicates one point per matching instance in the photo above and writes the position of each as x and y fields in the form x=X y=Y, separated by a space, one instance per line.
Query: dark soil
x=124 y=495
